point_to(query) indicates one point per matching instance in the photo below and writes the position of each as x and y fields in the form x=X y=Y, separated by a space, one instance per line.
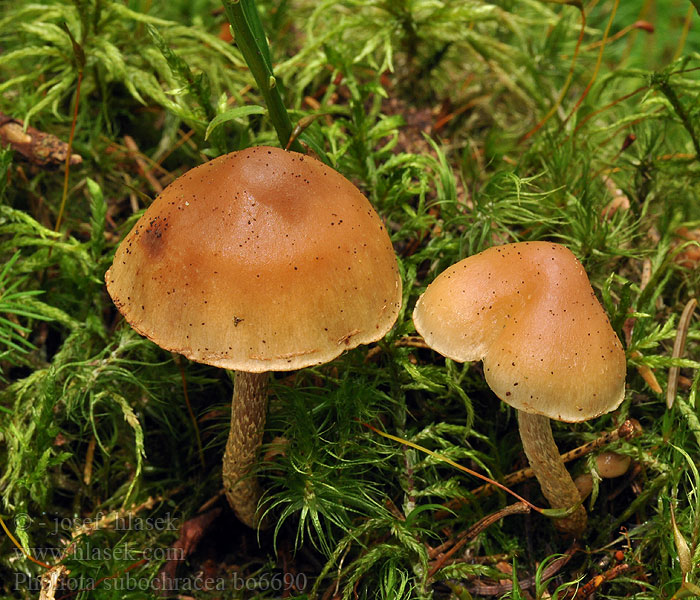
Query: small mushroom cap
x=529 y=312
x=584 y=485
x=258 y=260
x=611 y=464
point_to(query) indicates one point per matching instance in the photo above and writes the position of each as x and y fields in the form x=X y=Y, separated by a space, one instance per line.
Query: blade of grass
x=696 y=4
x=197 y=436
x=567 y=83
x=249 y=36
x=684 y=33
x=80 y=65
x=597 y=64
x=678 y=347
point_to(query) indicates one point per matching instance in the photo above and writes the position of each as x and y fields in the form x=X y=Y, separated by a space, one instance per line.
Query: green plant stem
x=671 y=96
x=250 y=39
x=80 y=62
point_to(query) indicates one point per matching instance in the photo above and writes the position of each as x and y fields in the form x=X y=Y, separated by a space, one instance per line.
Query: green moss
x=427 y=107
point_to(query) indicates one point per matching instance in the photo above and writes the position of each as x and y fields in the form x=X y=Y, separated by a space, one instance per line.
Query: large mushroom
x=260 y=260
x=527 y=310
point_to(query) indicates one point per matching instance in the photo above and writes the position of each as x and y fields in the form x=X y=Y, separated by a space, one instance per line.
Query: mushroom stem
x=556 y=483
x=248 y=411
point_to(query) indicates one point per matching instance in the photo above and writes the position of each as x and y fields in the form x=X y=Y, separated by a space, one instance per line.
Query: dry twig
x=678 y=347
x=39 y=148
x=498 y=588
x=471 y=533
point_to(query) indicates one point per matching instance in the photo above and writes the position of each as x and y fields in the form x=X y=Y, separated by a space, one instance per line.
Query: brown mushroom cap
x=611 y=464
x=258 y=260
x=529 y=312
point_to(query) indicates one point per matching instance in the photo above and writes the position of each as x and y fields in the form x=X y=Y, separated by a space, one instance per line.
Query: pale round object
x=611 y=464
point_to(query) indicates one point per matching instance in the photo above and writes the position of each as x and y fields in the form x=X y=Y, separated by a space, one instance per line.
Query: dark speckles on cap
x=153 y=237
x=509 y=299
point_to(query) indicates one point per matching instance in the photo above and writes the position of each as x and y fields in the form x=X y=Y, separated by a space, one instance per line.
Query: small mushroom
x=260 y=260
x=584 y=485
x=608 y=465
x=611 y=464
x=527 y=310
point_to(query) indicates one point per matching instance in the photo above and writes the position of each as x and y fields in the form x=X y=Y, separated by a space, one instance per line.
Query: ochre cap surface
x=259 y=260
x=529 y=312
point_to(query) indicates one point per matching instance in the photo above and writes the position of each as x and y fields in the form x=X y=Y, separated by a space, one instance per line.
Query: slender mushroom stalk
x=260 y=260
x=528 y=311
x=555 y=481
x=248 y=410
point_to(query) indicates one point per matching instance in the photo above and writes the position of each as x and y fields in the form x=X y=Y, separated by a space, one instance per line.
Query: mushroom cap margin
x=258 y=260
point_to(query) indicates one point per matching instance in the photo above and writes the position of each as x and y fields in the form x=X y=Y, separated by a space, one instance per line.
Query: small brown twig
x=587 y=590
x=678 y=348
x=50 y=581
x=473 y=531
x=39 y=148
x=108 y=519
x=144 y=169
x=89 y=458
x=498 y=588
